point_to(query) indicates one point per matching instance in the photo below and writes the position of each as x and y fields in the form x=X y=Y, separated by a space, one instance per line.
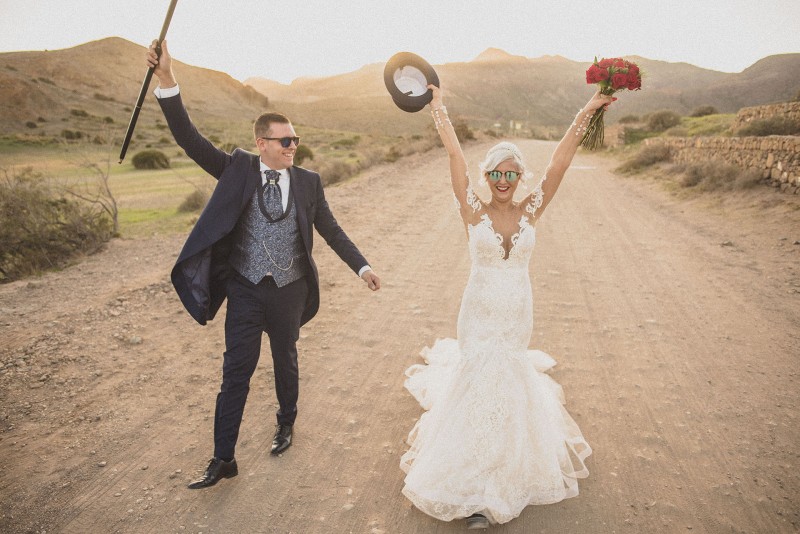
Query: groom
x=252 y=244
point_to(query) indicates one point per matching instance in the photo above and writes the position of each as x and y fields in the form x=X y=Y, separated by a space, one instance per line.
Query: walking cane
x=146 y=84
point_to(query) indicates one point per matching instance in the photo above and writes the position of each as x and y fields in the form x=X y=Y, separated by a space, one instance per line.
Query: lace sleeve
x=471 y=198
x=536 y=198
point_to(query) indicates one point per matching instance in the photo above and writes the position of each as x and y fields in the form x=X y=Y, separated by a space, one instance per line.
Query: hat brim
x=407 y=76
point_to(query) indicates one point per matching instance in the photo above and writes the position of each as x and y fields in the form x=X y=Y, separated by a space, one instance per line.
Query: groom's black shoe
x=282 y=439
x=217 y=470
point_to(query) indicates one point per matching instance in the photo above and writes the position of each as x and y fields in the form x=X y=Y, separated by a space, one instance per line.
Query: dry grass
x=154 y=200
x=645 y=157
x=716 y=176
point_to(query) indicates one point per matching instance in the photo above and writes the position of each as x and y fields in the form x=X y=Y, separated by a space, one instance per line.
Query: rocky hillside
x=97 y=83
x=103 y=79
x=497 y=87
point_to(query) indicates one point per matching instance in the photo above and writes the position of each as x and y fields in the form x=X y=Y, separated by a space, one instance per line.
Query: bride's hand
x=436 y=102
x=598 y=101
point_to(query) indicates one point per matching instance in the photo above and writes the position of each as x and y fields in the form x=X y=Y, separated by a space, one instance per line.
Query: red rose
x=619 y=63
x=592 y=74
x=633 y=69
x=595 y=74
x=633 y=81
x=619 y=81
x=605 y=63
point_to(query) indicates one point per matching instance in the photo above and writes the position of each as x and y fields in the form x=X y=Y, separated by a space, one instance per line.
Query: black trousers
x=252 y=310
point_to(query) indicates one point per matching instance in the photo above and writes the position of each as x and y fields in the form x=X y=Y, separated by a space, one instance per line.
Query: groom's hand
x=372 y=280
x=162 y=65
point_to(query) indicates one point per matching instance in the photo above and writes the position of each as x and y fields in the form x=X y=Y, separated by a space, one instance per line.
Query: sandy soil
x=676 y=325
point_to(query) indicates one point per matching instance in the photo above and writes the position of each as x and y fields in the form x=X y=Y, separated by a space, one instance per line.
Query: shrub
x=771 y=126
x=346 y=142
x=103 y=98
x=31 y=124
x=628 y=119
x=108 y=120
x=370 y=157
x=747 y=179
x=150 y=159
x=71 y=135
x=635 y=135
x=40 y=229
x=718 y=176
x=463 y=131
x=702 y=111
x=303 y=153
x=40 y=119
x=691 y=176
x=194 y=201
x=661 y=120
x=78 y=113
x=647 y=156
x=335 y=170
x=392 y=155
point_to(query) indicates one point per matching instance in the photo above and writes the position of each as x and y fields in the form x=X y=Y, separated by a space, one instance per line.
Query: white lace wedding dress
x=496 y=436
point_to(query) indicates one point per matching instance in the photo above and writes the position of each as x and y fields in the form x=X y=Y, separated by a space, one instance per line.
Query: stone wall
x=776 y=156
x=790 y=110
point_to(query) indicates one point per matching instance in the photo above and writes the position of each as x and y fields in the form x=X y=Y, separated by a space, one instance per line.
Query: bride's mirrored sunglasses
x=511 y=176
x=286 y=142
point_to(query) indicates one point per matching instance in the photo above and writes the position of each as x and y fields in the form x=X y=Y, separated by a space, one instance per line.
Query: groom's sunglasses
x=495 y=176
x=286 y=142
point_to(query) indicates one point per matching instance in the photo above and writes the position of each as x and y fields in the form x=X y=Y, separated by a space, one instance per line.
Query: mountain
x=495 y=54
x=102 y=79
x=497 y=87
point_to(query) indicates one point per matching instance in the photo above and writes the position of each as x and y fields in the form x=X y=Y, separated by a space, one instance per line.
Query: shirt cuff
x=364 y=269
x=166 y=93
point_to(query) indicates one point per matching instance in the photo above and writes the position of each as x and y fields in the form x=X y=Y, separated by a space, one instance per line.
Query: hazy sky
x=284 y=40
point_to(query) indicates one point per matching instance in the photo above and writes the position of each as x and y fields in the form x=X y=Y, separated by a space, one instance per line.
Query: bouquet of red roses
x=611 y=75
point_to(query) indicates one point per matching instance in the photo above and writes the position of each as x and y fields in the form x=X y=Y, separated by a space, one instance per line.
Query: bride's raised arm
x=468 y=202
x=562 y=157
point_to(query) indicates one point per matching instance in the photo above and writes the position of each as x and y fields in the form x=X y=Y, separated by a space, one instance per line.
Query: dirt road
x=676 y=328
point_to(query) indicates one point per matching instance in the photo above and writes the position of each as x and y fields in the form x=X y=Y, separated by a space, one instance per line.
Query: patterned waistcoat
x=262 y=247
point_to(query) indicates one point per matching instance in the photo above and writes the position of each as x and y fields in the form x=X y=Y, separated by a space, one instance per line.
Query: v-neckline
x=523 y=222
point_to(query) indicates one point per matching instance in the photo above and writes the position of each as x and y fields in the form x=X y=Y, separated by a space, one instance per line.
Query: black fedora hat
x=407 y=77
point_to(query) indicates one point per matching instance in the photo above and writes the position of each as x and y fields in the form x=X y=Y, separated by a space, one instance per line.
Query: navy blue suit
x=203 y=277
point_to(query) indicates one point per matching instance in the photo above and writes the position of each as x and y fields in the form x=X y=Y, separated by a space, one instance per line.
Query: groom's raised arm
x=202 y=151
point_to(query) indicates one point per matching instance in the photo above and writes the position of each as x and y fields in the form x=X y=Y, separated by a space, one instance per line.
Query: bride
x=495 y=437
